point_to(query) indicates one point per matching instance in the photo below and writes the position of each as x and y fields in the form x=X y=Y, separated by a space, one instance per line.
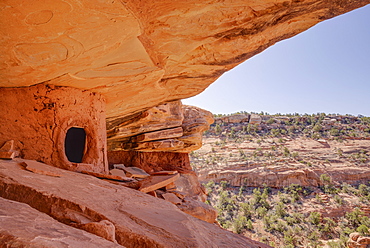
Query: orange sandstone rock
x=24 y=226
x=156 y=182
x=139 y=54
x=140 y=220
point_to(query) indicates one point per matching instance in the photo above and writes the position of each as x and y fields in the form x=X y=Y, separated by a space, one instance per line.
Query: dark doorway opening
x=75 y=144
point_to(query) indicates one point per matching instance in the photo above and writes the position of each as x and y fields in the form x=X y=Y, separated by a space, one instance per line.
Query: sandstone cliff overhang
x=139 y=54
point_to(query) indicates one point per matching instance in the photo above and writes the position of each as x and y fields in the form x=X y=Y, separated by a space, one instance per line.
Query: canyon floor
x=289 y=181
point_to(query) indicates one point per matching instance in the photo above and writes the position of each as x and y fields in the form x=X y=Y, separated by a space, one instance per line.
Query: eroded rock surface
x=151 y=161
x=23 y=226
x=168 y=127
x=139 y=54
x=139 y=220
x=282 y=176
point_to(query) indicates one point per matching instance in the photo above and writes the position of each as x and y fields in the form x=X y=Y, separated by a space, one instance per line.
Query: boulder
x=117 y=172
x=199 y=210
x=171 y=197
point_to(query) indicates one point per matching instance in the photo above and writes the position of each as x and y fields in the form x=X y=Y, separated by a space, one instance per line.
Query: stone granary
x=60 y=126
x=88 y=84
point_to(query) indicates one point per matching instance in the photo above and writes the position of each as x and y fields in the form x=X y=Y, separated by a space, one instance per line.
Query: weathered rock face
x=38 y=119
x=167 y=127
x=282 y=176
x=196 y=121
x=113 y=212
x=238 y=118
x=151 y=161
x=139 y=54
x=28 y=227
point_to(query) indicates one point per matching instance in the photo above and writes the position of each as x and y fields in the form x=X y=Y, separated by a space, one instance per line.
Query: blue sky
x=324 y=69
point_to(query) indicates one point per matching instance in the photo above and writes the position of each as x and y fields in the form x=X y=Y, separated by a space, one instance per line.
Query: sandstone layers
x=170 y=127
x=139 y=54
x=283 y=176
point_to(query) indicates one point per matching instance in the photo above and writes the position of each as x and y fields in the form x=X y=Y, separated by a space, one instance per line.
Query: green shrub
x=270 y=121
x=280 y=210
x=280 y=226
x=325 y=179
x=354 y=218
x=317 y=128
x=363 y=190
x=314 y=218
x=338 y=199
x=261 y=212
x=336 y=244
x=327 y=226
x=240 y=223
x=246 y=209
x=289 y=238
x=224 y=184
x=249 y=225
x=364 y=230
x=334 y=132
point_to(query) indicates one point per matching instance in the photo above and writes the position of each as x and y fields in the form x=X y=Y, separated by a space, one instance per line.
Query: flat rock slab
x=118 y=172
x=179 y=194
x=140 y=220
x=119 y=166
x=172 y=198
x=135 y=172
x=23 y=226
x=156 y=182
x=163 y=173
x=103 y=176
x=40 y=168
x=7 y=155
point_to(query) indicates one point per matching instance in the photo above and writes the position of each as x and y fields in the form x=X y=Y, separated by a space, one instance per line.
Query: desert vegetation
x=291 y=217
x=298 y=211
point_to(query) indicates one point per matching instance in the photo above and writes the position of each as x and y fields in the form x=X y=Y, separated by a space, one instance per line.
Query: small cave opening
x=74 y=144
